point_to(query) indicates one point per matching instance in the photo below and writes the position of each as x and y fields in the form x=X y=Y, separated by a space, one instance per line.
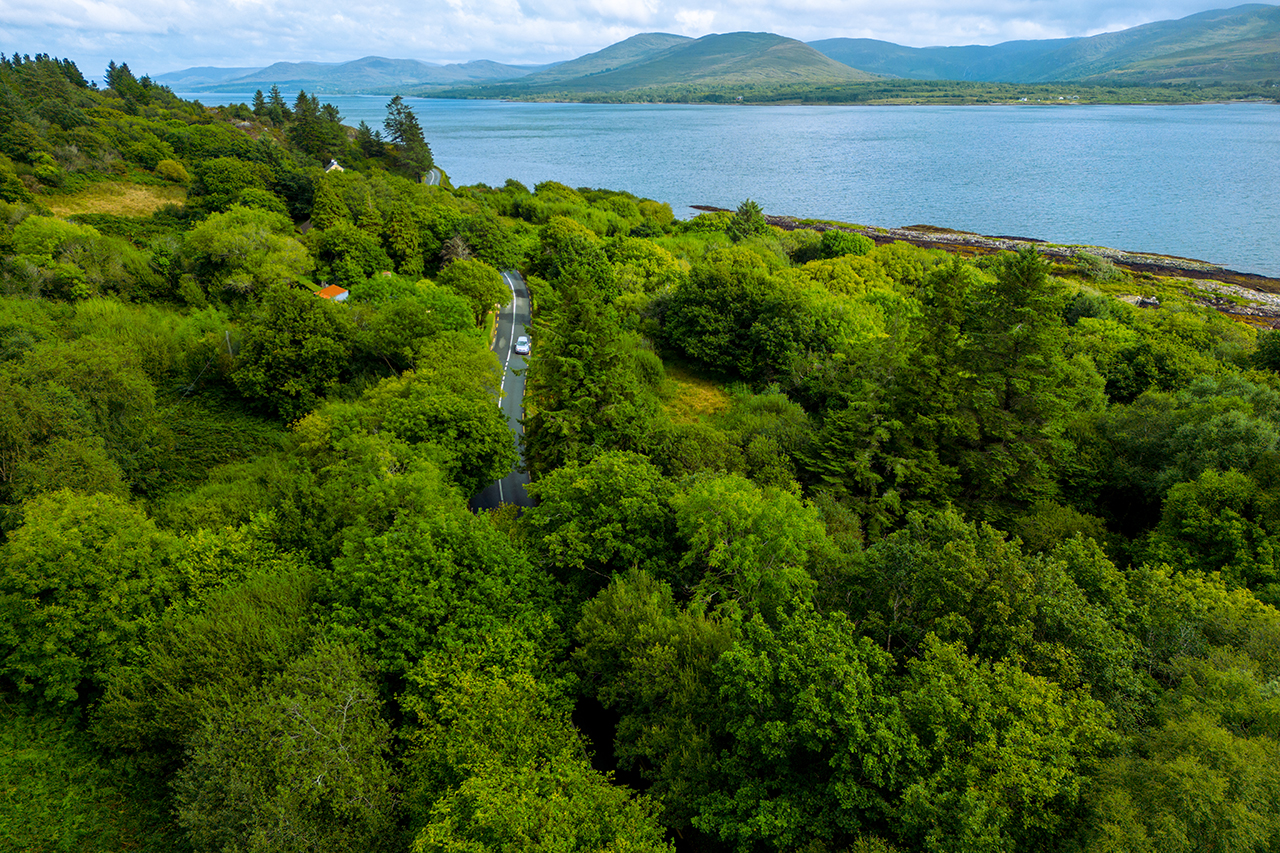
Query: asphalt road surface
x=512 y=320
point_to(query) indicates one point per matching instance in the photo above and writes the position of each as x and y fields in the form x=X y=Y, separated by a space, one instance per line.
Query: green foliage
x=220 y=181
x=349 y=254
x=652 y=662
x=245 y=251
x=597 y=519
x=770 y=735
x=1221 y=522
x=497 y=763
x=79 y=414
x=1048 y=524
x=586 y=393
x=479 y=283
x=67 y=260
x=1065 y=616
x=1005 y=753
x=172 y=170
x=434 y=582
x=327 y=208
x=316 y=130
x=299 y=764
x=83 y=580
x=643 y=268
x=562 y=805
x=747 y=549
x=205 y=657
x=732 y=316
x=748 y=220
x=58 y=794
x=813 y=737
x=1205 y=770
x=991 y=392
x=474 y=442
x=410 y=152
x=42 y=236
x=1267 y=354
x=480 y=708
x=258 y=199
x=567 y=246
x=1160 y=440
x=296 y=351
x=836 y=244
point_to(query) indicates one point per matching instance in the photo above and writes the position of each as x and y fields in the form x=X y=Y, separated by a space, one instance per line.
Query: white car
x=522 y=345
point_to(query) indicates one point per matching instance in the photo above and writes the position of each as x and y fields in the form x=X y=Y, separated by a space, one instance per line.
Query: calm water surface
x=1196 y=181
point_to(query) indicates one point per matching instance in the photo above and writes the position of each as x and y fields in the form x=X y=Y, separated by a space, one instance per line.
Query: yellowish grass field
x=691 y=398
x=119 y=199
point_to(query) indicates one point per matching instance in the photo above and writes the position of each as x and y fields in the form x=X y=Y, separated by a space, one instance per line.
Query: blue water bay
x=1195 y=181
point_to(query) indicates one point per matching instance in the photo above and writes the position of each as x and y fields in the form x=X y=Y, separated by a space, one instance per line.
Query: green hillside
x=1238 y=45
x=625 y=53
x=1209 y=34
x=1247 y=60
x=368 y=74
x=189 y=79
x=732 y=59
x=978 y=63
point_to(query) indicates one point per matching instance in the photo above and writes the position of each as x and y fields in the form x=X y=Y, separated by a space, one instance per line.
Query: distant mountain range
x=1238 y=45
x=370 y=74
x=660 y=59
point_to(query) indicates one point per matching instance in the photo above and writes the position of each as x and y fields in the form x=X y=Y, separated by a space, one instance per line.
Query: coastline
x=967 y=243
x=1249 y=297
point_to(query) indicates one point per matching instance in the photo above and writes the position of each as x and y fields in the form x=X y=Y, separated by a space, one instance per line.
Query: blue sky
x=155 y=36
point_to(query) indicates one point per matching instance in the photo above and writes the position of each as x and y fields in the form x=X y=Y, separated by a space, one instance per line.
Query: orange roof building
x=337 y=294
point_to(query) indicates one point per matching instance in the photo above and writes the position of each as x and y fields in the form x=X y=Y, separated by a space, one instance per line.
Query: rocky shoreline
x=1260 y=293
x=933 y=237
x=1208 y=283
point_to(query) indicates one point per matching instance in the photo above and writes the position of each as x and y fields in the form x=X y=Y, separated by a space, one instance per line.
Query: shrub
x=172 y=170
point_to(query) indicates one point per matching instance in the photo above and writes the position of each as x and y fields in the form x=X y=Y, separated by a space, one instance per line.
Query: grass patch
x=116 y=198
x=691 y=398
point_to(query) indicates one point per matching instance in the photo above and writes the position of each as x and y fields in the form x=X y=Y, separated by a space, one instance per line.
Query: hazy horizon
x=157 y=37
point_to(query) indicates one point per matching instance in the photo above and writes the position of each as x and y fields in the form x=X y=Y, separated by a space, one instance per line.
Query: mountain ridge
x=1239 y=44
x=369 y=73
x=1084 y=59
x=726 y=58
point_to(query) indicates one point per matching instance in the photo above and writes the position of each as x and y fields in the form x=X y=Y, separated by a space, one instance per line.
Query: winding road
x=512 y=320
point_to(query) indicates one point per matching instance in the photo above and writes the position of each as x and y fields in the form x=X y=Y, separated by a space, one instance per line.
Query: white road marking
x=502 y=386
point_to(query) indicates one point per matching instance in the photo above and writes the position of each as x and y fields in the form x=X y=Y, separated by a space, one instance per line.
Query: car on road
x=522 y=345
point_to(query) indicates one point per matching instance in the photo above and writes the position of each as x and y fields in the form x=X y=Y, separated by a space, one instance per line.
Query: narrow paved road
x=512 y=320
x=432 y=178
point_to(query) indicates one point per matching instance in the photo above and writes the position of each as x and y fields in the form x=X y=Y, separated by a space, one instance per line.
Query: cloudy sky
x=155 y=36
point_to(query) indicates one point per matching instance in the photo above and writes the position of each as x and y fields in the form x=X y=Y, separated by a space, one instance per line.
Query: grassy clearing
x=690 y=398
x=118 y=199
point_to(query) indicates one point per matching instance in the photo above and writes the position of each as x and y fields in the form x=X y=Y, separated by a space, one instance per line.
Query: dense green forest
x=838 y=546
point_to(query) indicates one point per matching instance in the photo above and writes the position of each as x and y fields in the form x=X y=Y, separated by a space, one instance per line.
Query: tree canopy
x=836 y=543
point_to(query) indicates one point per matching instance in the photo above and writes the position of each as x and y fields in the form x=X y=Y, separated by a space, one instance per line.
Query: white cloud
x=694 y=22
x=76 y=15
